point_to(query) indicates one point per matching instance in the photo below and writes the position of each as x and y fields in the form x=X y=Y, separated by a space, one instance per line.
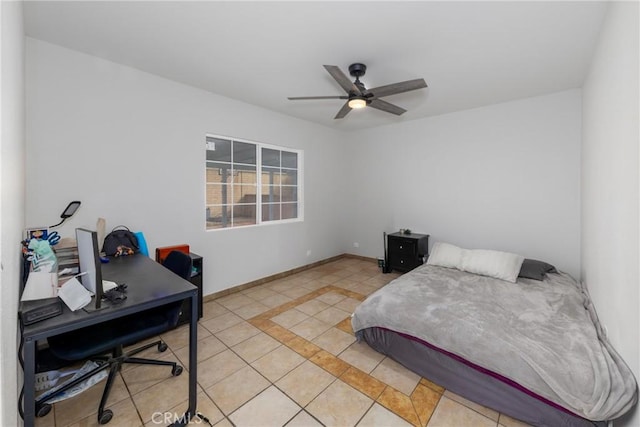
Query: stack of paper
x=67 y=258
x=74 y=294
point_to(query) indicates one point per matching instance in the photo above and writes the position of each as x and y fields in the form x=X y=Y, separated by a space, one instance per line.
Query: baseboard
x=248 y=285
x=360 y=257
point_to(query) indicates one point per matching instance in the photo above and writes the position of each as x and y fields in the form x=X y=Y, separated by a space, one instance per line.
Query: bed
x=531 y=349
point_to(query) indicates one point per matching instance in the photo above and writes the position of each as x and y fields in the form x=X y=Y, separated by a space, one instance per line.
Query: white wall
x=610 y=183
x=504 y=177
x=12 y=184
x=130 y=146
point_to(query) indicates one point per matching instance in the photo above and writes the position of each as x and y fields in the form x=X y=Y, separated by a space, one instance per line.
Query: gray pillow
x=534 y=269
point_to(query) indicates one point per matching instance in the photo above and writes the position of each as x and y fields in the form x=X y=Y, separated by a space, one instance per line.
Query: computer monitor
x=90 y=265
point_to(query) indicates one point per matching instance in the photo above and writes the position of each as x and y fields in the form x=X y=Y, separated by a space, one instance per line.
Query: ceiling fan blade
x=297 y=98
x=343 y=111
x=400 y=87
x=379 y=104
x=342 y=79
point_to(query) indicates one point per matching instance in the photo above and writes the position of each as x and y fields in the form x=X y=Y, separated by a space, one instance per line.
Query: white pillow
x=501 y=265
x=445 y=255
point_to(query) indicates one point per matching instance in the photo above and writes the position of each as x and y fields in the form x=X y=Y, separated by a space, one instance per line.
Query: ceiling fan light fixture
x=356 y=103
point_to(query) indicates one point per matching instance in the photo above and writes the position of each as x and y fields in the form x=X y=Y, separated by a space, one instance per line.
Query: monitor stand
x=91 y=307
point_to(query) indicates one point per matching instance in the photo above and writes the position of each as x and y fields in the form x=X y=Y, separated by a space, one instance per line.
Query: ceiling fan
x=359 y=97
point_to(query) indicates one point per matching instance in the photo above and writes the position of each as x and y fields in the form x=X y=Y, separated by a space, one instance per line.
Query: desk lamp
x=68 y=212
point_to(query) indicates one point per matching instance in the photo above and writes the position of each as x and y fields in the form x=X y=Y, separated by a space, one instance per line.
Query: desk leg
x=29 y=399
x=193 y=365
x=193 y=357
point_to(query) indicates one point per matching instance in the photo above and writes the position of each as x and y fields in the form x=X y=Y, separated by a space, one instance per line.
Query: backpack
x=121 y=241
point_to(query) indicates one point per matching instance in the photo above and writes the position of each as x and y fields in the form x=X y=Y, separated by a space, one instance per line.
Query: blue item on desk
x=142 y=242
x=104 y=260
x=53 y=238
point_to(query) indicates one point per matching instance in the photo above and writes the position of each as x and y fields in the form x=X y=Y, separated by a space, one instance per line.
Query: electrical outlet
x=308 y=252
x=356 y=244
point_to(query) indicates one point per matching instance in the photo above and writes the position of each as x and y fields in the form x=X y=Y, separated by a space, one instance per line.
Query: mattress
x=539 y=337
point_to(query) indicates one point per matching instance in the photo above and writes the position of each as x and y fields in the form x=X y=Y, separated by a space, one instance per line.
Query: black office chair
x=110 y=337
x=179 y=263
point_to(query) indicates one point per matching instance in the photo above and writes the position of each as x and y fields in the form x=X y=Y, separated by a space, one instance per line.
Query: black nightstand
x=406 y=251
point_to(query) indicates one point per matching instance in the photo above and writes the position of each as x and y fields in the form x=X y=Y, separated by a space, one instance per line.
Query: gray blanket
x=542 y=335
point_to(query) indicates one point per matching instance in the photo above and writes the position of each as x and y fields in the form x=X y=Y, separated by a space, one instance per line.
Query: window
x=249 y=183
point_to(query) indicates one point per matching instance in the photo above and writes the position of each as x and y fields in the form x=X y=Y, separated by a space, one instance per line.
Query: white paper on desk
x=74 y=294
x=40 y=285
x=107 y=285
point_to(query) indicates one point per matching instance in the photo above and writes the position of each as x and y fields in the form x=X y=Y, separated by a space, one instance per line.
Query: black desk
x=149 y=285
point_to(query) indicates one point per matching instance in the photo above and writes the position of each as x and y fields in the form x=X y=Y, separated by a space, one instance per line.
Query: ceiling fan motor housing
x=357 y=69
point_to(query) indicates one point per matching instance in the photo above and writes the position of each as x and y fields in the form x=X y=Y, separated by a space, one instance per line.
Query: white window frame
x=259 y=147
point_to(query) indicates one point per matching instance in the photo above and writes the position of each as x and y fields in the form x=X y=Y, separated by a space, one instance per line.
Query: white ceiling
x=470 y=53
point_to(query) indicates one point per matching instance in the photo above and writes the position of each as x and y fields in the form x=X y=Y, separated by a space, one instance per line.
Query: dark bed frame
x=471 y=381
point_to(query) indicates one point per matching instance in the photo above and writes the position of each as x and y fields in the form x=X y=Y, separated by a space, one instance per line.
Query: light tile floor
x=282 y=353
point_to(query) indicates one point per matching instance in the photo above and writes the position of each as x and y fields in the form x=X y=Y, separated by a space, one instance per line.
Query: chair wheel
x=177 y=370
x=44 y=410
x=162 y=347
x=106 y=416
